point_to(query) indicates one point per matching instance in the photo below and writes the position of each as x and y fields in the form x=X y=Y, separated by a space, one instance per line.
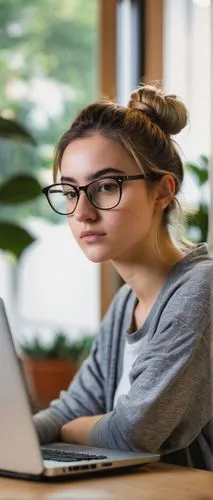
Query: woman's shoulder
x=189 y=296
x=197 y=275
x=194 y=269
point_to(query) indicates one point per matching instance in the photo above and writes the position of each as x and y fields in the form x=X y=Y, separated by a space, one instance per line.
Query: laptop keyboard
x=68 y=455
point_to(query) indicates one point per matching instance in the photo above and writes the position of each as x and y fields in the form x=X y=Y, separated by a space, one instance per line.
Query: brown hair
x=143 y=127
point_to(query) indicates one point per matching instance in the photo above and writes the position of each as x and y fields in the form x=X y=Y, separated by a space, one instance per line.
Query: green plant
x=11 y=129
x=61 y=347
x=197 y=221
x=17 y=189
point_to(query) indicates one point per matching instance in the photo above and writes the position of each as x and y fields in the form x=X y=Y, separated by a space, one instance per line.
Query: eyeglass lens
x=103 y=193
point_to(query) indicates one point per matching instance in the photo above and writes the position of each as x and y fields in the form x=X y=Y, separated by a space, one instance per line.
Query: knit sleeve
x=86 y=394
x=169 y=399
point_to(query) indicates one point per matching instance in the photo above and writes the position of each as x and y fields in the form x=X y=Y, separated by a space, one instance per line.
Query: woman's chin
x=96 y=256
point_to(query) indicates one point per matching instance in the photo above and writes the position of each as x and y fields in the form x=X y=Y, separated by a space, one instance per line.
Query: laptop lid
x=19 y=450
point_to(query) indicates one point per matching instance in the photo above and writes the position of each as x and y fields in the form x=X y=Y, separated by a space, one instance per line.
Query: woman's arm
x=85 y=396
x=89 y=394
x=169 y=400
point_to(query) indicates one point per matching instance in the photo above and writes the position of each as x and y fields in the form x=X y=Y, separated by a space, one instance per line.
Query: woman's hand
x=77 y=431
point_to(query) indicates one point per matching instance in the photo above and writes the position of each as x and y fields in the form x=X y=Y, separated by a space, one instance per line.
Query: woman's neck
x=146 y=271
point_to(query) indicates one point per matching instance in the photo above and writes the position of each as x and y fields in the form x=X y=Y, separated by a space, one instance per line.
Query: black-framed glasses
x=104 y=193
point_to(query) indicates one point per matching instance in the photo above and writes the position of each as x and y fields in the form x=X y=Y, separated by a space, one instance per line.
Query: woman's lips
x=91 y=236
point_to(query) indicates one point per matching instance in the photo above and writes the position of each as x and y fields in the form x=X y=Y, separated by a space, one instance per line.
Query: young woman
x=146 y=384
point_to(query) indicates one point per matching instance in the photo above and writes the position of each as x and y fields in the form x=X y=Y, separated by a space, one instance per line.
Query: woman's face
x=119 y=233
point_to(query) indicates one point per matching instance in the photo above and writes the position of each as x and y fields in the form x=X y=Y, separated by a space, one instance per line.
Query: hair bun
x=167 y=111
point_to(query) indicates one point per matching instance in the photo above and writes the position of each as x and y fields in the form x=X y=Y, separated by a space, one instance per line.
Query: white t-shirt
x=131 y=351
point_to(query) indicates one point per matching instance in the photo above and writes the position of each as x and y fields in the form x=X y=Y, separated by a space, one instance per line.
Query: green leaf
x=199 y=220
x=19 y=188
x=205 y=161
x=12 y=130
x=14 y=238
x=201 y=174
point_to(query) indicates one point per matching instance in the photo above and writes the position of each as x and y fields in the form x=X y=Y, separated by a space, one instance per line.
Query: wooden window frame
x=152 y=68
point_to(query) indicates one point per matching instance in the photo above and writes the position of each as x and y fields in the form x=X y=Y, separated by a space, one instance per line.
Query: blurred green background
x=48 y=71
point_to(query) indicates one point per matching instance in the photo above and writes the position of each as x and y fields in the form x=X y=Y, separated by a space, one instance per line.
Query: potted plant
x=50 y=368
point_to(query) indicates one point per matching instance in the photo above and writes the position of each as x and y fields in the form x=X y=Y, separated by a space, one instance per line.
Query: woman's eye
x=70 y=195
x=108 y=187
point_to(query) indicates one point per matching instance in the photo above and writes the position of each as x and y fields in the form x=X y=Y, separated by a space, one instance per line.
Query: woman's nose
x=85 y=210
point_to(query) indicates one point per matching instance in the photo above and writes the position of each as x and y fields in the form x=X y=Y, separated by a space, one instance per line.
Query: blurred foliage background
x=197 y=219
x=48 y=71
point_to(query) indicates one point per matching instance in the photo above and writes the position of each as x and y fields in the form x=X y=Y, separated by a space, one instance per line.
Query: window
x=187 y=63
x=49 y=69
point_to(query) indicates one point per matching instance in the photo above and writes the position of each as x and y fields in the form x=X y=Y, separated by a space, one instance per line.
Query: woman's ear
x=165 y=191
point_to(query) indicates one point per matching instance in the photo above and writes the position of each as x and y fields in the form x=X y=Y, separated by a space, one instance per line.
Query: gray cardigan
x=168 y=405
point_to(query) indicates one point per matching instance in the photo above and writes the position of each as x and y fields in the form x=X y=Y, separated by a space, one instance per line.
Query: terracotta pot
x=45 y=379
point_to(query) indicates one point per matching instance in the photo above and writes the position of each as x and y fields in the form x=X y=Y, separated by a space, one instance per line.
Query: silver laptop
x=20 y=451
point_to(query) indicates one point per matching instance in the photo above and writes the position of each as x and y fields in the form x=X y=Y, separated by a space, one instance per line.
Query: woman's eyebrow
x=96 y=175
